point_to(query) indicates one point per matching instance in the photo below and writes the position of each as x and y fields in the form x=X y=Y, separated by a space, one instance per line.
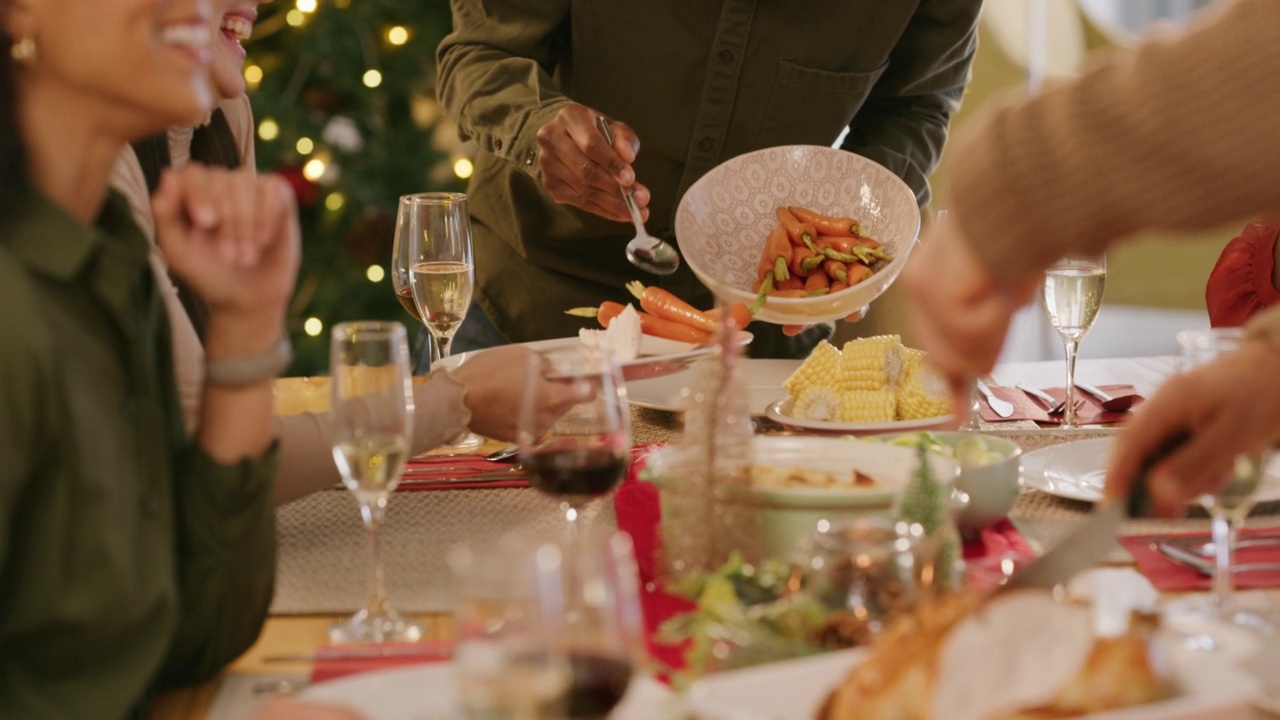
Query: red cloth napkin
x=1169 y=576
x=638 y=511
x=1026 y=407
x=469 y=465
x=335 y=661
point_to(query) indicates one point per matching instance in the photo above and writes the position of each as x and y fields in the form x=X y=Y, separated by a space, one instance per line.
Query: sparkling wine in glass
x=1073 y=289
x=372 y=422
x=584 y=453
x=433 y=231
x=1227 y=507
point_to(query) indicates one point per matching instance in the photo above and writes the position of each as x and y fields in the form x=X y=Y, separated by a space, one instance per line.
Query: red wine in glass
x=568 y=470
x=597 y=685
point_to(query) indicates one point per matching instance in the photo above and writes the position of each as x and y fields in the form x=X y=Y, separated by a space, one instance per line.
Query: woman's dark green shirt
x=129 y=560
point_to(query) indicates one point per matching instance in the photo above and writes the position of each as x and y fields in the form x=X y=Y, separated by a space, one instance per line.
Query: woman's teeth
x=195 y=36
x=237 y=28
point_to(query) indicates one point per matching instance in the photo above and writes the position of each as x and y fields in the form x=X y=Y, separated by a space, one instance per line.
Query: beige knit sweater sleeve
x=1181 y=133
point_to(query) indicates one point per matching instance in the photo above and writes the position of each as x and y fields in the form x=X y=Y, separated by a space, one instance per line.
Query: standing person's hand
x=580 y=168
x=1230 y=406
x=959 y=313
x=233 y=237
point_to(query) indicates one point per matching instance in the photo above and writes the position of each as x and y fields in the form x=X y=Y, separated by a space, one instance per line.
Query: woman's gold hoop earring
x=23 y=51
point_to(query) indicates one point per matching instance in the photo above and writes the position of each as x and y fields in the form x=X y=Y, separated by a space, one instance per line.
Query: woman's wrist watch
x=247 y=370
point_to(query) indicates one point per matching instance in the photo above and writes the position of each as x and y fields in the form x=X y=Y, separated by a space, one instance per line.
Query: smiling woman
x=131 y=557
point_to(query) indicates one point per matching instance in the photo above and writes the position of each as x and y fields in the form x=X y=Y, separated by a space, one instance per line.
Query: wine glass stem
x=1224 y=531
x=376 y=594
x=1071 y=347
x=440 y=347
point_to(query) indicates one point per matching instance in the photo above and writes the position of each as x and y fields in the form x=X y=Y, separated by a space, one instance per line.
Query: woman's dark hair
x=13 y=171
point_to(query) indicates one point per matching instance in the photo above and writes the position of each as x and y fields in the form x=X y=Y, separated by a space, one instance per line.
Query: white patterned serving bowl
x=724 y=218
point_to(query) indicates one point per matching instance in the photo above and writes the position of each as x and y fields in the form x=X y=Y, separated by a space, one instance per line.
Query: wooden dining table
x=300 y=619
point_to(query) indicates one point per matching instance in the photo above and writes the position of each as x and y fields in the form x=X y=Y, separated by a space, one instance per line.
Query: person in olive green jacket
x=699 y=82
x=131 y=558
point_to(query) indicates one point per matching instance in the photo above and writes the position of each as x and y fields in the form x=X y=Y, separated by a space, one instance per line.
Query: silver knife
x=1001 y=408
x=1087 y=544
x=1090 y=541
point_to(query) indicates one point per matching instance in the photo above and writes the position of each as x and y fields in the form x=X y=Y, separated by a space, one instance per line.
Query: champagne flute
x=435 y=230
x=401 y=266
x=372 y=422
x=584 y=453
x=1072 y=295
x=1229 y=505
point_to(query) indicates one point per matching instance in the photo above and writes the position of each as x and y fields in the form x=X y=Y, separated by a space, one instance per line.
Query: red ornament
x=304 y=190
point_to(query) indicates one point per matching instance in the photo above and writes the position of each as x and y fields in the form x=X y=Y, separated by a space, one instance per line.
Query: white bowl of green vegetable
x=988 y=471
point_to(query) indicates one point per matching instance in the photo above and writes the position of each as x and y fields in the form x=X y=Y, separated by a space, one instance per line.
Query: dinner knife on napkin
x=1090 y=541
x=1002 y=408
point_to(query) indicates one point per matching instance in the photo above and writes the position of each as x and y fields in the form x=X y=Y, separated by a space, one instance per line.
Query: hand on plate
x=580 y=168
x=495 y=386
x=855 y=316
x=1230 y=406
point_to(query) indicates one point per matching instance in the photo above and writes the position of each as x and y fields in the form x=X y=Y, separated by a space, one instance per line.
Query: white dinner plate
x=658 y=356
x=762 y=380
x=1078 y=470
x=780 y=412
x=796 y=689
x=426 y=692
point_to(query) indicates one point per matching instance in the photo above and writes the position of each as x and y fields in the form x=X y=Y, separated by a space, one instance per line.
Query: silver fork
x=1052 y=406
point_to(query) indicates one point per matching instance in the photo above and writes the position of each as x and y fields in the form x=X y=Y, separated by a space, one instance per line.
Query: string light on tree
x=314 y=169
x=463 y=168
x=306 y=6
x=375 y=273
x=334 y=201
x=295 y=18
x=372 y=78
x=268 y=129
x=305 y=145
x=398 y=35
x=252 y=76
x=313 y=326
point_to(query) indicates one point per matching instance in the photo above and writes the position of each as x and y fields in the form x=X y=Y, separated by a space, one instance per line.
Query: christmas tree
x=344 y=99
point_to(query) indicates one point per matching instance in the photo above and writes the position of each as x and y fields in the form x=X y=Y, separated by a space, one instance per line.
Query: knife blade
x=1090 y=541
x=1002 y=408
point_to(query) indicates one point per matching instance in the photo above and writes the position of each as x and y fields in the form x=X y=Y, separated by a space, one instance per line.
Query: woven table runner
x=322 y=551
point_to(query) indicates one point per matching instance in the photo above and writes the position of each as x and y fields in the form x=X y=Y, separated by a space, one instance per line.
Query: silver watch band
x=238 y=371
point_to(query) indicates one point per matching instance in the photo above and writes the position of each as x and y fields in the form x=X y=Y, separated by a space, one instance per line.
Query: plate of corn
x=873 y=384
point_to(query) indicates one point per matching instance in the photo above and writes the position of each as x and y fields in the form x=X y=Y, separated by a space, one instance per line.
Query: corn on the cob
x=820 y=369
x=923 y=392
x=819 y=403
x=868 y=406
x=872 y=363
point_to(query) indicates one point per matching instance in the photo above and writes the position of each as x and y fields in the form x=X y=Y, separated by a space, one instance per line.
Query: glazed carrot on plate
x=664 y=304
x=649 y=324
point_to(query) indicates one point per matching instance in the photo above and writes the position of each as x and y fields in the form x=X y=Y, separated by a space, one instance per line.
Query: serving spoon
x=646 y=252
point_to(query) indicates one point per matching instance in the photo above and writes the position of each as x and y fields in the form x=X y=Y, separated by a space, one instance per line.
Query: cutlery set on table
x=1022 y=401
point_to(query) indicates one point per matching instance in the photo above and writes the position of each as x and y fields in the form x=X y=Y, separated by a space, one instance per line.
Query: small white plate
x=658 y=356
x=1078 y=471
x=780 y=412
x=761 y=379
x=426 y=692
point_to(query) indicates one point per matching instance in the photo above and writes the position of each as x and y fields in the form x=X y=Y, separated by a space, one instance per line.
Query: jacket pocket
x=811 y=106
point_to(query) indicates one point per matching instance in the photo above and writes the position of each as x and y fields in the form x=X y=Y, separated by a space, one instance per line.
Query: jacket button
x=705 y=144
x=497 y=143
x=726 y=56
